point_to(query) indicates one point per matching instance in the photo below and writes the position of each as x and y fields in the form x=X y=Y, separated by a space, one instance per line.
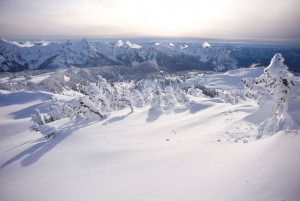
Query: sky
x=264 y=20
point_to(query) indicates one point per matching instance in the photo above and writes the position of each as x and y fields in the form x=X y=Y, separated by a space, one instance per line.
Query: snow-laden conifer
x=157 y=98
x=169 y=99
x=274 y=86
x=138 y=99
x=182 y=97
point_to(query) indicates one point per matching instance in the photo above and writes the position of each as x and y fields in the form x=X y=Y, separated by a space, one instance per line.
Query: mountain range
x=166 y=56
x=16 y=56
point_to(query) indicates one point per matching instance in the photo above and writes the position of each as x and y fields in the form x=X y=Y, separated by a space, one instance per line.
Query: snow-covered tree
x=148 y=95
x=279 y=82
x=125 y=99
x=274 y=84
x=182 y=97
x=101 y=82
x=48 y=131
x=157 y=99
x=193 y=91
x=229 y=96
x=41 y=126
x=169 y=99
x=97 y=97
x=37 y=118
x=84 y=108
x=138 y=99
x=56 y=110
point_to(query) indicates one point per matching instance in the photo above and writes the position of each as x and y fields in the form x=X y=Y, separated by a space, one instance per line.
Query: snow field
x=208 y=150
x=146 y=156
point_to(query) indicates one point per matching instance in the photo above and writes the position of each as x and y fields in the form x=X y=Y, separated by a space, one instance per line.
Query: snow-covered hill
x=17 y=56
x=179 y=156
x=206 y=149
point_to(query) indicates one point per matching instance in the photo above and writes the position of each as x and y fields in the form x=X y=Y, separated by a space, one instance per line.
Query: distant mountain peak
x=69 y=42
x=206 y=45
x=129 y=44
x=19 y=44
x=119 y=43
x=84 y=42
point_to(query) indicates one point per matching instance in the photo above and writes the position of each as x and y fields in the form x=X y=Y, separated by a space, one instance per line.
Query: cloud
x=51 y=12
x=195 y=18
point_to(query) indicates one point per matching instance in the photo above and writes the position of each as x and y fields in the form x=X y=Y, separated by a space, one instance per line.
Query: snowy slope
x=207 y=152
x=20 y=57
x=230 y=80
x=57 y=80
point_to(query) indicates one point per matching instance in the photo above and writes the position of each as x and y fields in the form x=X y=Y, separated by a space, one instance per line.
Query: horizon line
x=278 y=41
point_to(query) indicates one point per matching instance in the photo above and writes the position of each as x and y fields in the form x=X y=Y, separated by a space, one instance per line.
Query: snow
x=230 y=80
x=184 y=46
x=4 y=79
x=43 y=42
x=66 y=78
x=39 y=78
x=19 y=44
x=44 y=54
x=2 y=59
x=27 y=43
x=134 y=63
x=19 y=79
x=33 y=79
x=132 y=45
x=206 y=152
x=206 y=44
x=128 y=43
x=119 y=43
x=276 y=66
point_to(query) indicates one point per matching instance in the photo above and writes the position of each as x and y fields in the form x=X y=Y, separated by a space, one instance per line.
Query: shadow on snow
x=35 y=152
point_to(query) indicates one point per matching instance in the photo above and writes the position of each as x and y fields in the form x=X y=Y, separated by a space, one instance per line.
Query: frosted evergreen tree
x=101 y=82
x=138 y=99
x=125 y=99
x=229 y=96
x=182 y=97
x=147 y=95
x=278 y=83
x=85 y=108
x=40 y=126
x=110 y=92
x=48 y=131
x=169 y=99
x=157 y=99
x=37 y=118
x=96 y=96
x=67 y=110
x=274 y=84
x=56 y=110
x=193 y=91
